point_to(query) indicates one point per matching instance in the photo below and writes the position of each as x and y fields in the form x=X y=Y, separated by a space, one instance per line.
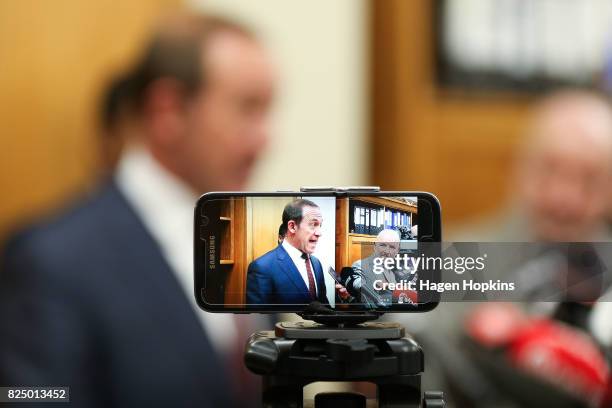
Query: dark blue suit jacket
x=88 y=301
x=273 y=278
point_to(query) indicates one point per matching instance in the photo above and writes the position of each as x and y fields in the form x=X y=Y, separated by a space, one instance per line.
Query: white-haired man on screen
x=387 y=245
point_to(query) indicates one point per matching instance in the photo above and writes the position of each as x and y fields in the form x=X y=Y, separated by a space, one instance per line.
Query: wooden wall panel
x=342 y=228
x=265 y=216
x=458 y=146
x=56 y=56
x=235 y=287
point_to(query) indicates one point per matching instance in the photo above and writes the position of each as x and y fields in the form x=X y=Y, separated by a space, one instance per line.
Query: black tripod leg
x=403 y=391
x=280 y=393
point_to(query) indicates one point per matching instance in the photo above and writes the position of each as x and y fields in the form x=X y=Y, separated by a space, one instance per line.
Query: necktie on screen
x=311 y=280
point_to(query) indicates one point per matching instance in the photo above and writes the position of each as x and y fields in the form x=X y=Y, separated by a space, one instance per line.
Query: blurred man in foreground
x=114 y=118
x=100 y=299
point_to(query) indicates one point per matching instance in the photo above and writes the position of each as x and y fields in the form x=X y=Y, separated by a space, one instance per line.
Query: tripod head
x=338 y=346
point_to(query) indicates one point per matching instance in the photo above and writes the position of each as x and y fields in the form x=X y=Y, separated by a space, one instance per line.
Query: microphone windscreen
x=346 y=273
x=495 y=324
x=546 y=349
x=562 y=356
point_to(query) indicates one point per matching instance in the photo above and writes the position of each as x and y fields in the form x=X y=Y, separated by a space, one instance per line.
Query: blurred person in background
x=564 y=172
x=559 y=193
x=100 y=297
x=562 y=176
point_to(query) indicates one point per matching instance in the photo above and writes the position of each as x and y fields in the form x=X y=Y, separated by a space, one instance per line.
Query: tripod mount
x=338 y=346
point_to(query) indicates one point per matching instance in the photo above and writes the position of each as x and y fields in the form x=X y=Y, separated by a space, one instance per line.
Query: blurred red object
x=546 y=349
x=496 y=324
x=607 y=399
x=563 y=356
x=405 y=296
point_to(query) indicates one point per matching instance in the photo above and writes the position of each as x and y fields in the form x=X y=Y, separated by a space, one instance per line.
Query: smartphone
x=352 y=251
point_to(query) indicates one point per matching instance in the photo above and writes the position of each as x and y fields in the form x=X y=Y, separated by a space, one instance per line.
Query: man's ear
x=163 y=111
x=292 y=226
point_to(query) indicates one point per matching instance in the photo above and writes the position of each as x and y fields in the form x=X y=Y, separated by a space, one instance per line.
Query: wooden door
x=459 y=146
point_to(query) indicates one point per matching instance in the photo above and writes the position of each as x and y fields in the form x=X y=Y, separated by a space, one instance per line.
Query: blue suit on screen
x=274 y=279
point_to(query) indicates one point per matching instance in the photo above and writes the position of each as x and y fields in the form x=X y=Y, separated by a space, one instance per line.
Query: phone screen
x=258 y=252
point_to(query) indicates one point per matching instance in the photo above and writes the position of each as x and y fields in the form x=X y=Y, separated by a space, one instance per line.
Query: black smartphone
x=352 y=251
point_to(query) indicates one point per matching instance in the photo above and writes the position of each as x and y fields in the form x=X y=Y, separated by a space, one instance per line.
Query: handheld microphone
x=351 y=280
x=356 y=285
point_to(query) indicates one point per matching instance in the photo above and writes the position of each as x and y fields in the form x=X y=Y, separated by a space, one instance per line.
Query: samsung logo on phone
x=211 y=252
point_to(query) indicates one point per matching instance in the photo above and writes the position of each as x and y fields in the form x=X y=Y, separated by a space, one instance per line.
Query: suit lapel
x=160 y=294
x=290 y=269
